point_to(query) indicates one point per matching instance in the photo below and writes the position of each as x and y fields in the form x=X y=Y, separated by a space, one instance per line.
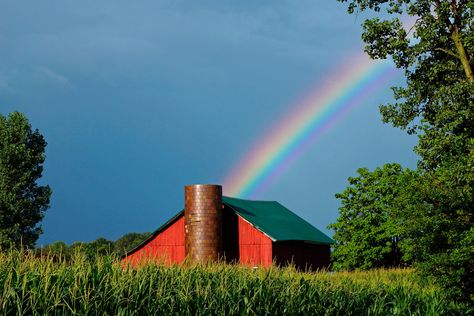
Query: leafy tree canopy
x=435 y=48
x=97 y=248
x=437 y=224
x=367 y=231
x=22 y=201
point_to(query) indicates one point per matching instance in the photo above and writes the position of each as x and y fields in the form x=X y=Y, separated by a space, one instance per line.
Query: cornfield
x=32 y=286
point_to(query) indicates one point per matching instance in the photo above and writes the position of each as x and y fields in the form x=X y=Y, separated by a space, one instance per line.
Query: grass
x=39 y=286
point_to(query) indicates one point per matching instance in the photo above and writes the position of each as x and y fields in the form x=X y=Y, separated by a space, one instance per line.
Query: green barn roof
x=276 y=221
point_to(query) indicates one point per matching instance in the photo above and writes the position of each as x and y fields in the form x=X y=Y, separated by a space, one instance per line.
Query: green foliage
x=22 y=201
x=436 y=55
x=439 y=231
x=57 y=248
x=128 y=241
x=436 y=51
x=367 y=232
x=438 y=99
x=42 y=286
x=100 y=247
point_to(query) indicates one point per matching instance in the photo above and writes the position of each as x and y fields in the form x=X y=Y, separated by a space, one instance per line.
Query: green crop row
x=32 y=286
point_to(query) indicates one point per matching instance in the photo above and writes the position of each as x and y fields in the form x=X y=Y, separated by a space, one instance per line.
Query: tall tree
x=438 y=225
x=367 y=231
x=22 y=200
x=436 y=51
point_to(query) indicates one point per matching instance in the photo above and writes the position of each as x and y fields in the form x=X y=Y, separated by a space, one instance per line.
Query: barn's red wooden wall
x=254 y=247
x=167 y=246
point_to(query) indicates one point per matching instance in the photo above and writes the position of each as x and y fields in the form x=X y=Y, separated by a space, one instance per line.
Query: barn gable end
x=166 y=244
x=255 y=248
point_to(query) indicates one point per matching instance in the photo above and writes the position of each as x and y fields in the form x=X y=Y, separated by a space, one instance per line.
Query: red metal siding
x=254 y=247
x=305 y=256
x=167 y=246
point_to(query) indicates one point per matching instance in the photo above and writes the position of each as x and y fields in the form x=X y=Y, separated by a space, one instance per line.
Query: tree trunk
x=462 y=54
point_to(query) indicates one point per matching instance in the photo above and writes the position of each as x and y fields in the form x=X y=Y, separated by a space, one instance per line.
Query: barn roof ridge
x=225 y=197
x=272 y=219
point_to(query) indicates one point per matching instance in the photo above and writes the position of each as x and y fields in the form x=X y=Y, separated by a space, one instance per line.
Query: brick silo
x=203 y=222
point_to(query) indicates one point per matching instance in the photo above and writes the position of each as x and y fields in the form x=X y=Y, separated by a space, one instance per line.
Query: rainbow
x=306 y=122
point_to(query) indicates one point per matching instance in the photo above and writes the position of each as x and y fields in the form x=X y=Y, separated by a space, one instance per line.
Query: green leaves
x=22 y=201
x=439 y=230
x=391 y=6
x=434 y=211
x=436 y=53
x=378 y=33
x=94 y=249
x=367 y=231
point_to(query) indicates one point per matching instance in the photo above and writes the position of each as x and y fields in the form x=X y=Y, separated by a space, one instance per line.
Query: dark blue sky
x=138 y=98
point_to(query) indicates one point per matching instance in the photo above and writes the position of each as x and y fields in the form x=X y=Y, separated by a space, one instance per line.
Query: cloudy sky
x=138 y=98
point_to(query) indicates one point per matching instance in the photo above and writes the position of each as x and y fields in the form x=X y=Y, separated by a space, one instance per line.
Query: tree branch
x=462 y=54
x=412 y=27
x=447 y=51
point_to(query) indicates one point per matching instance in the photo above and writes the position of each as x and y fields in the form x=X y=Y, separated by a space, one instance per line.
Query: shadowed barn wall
x=305 y=256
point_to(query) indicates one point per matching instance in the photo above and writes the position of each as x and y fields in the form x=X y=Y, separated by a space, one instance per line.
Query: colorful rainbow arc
x=329 y=102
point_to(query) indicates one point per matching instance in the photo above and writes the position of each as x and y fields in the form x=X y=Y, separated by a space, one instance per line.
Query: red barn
x=254 y=233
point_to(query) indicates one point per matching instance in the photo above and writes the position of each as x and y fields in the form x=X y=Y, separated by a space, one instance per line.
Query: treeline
x=92 y=250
